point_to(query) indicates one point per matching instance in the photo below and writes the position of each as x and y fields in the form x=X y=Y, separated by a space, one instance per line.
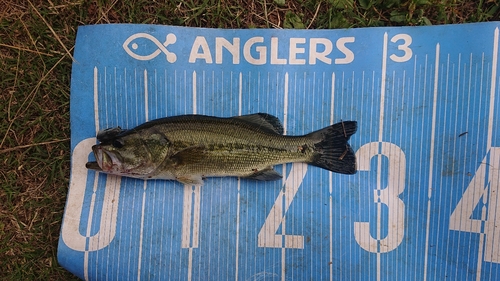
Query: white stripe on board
x=492 y=90
x=191 y=207
x=163 y=227
x=96 y=108
x=194 y=92
x=285 y=106
x=332 y=100
x=125 y=93
x=467 y=119
x=196 y=189
x=431 y=158
x=186 y=217
x=146 y=95
x=469 y=86
x=379 y=158
x=196 y=216
x=330 y=182
x=240 y=92
x=382 y=93
x=237 y=230
x=449 y=82
x=92 y=200
x=459 y=87
x=240 y=98
x=283 y=222
x=188 y=224
x=115 y=94
x=480 y=249
x=190 y=264
x=141 y=234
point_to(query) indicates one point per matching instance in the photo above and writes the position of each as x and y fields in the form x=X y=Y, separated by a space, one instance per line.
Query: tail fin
x=333 y=151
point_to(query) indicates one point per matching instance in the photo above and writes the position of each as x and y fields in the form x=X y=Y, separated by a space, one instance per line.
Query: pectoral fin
x=268 y=174
x=188 y=155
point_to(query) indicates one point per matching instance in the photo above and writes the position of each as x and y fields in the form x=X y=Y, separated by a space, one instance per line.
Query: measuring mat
x=424 y=204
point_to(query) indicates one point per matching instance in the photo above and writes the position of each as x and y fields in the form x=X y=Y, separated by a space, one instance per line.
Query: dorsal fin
x=264 y=121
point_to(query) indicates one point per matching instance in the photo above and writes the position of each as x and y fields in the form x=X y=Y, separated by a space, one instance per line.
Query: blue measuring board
x=424 y=204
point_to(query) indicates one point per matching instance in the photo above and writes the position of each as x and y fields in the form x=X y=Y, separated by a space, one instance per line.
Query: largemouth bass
x=188 y=148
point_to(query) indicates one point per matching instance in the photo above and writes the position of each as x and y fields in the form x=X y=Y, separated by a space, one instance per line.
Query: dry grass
x=36 y=40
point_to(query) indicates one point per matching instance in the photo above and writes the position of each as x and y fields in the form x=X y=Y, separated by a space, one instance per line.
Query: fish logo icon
x=130 y=46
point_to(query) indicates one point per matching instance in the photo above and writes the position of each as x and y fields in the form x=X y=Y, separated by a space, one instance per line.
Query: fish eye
x=117 y=143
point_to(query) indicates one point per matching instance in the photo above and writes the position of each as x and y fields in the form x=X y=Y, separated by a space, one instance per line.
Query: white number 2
x=268 y=236
x=487 y=178
x=388 y=196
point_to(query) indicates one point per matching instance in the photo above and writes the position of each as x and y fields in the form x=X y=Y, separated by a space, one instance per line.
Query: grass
x=36 y=41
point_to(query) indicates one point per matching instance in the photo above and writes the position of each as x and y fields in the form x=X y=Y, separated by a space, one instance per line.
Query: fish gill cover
x=422 y=206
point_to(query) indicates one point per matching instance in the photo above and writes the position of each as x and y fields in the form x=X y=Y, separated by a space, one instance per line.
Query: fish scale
x=241 y=161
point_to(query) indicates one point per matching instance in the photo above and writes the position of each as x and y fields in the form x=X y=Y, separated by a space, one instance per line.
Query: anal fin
x=190 y=180
x=268 y=174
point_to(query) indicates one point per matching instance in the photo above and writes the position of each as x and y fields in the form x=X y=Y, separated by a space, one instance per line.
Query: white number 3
x=405 y=47
x=388 y=196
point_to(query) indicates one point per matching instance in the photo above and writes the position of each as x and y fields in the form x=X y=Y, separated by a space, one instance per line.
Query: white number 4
x=487 y=178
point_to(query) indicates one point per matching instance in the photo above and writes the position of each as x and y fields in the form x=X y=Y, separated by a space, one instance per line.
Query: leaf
x=421 y=2
x=426 y=21
x=492 y=11
x=293 y=21
x=280 y=2
x=398 y=17
x=391 y=3
x=343 y=4
x=338 y=21
x=365 y=4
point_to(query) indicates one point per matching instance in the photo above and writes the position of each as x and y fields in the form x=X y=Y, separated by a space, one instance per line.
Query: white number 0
x=387 y=196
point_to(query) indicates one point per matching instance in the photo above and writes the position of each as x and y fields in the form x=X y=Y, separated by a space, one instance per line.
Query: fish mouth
x=105 y=161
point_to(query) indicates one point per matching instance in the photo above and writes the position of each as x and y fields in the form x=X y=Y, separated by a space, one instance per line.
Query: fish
x=130 y=46
x=190 y=148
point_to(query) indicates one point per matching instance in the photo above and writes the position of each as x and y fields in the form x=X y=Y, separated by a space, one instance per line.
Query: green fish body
x=188 y=148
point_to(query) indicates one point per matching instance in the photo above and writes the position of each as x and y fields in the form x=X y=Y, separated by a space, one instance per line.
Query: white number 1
x=388 y=196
